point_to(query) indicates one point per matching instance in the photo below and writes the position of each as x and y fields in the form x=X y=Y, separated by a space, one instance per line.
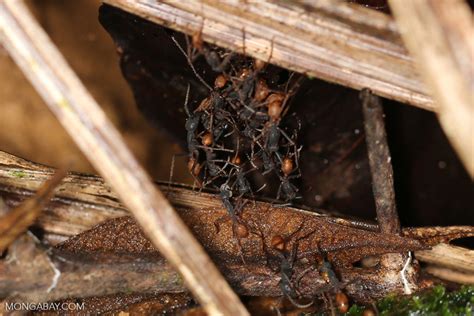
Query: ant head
x=225 y=189
x=236 y=160
x=241 y=230
x=261 y=90
x=342 y=302
x=278 y=243
x=220 y=81
x=244 y=74
x=207 y=139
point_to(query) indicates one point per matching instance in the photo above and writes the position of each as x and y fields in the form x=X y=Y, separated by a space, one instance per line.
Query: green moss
x=436 y=301
x=355 y=310
x=18 y=174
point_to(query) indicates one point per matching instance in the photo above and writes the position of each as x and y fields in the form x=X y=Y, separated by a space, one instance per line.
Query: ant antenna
x=290 y=93
x=186 y=101
x=191 y=64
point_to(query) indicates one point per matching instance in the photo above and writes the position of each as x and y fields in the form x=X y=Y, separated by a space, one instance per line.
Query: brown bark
x=83 y=202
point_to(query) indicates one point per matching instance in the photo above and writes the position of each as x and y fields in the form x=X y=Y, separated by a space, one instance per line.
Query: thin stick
x=396 y=267
x=380 y=163
x=93 y=132
x=332 y=40
x=16 y=221
x=439 y=34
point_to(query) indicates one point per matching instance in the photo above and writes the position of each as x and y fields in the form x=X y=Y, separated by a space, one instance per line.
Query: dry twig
x=380 y=163
x=397 y=268
x=16 y=221
x=332 y=40
x=87 y=124
x=439 y=35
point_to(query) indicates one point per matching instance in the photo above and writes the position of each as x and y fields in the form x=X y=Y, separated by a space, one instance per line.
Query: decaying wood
x=81 y=202
x=17 y=221
x=439 y=35
x=87 y=124
x=332 y=40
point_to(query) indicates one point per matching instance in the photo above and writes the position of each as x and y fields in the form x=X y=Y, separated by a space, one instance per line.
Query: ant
x=239 y=230
x=272 y=131
x=288 y=259
x=241 y=182
x=191 y=125
x=288 y=169
x=329 y=276
x=215 y=61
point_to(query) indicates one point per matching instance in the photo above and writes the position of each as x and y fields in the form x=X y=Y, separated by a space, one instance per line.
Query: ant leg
x=271 y=50
x=298 y=305
x=251 y=160
x=171 y=173
x=261 y=188
x=240 y=207
x=195 y=177
x=191 y=64
x=277 y=154
x=275 y=308
x=225 y=62
x=292 y=143
x=279 y=192
x=220 y=220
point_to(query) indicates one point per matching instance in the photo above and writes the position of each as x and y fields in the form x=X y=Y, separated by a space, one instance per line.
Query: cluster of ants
x=236 y=131
x=288 y=257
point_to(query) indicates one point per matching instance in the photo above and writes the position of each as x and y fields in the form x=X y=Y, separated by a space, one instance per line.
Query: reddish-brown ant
x=207 y=139
x=220 y=81
x=368 y=312
x=261 y=90
x=278 y=243
x=288 y=258
x=217 y=63
x=288 y=170
x=236 y=160
x=342 y=302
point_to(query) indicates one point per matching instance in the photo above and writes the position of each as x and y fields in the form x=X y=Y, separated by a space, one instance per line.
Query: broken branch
x=16 y=221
